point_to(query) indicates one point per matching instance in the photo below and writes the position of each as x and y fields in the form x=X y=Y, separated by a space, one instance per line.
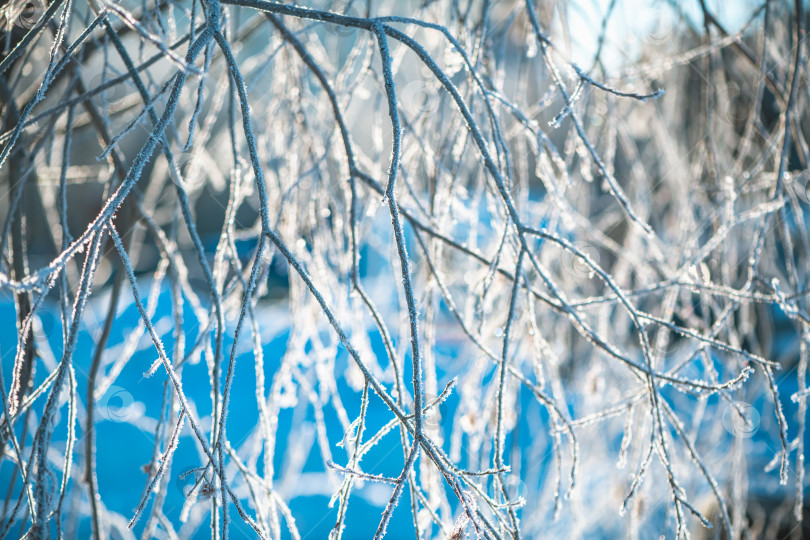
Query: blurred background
x=602 y=265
